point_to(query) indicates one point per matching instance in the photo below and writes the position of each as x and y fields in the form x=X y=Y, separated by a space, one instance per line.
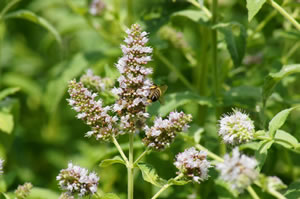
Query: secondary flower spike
x=238 y=170
x=236 y=128
x=77 y=180
x=92 y=112
x=193 y=164
x=23 y=191
x=134 y=84
x=164 y=131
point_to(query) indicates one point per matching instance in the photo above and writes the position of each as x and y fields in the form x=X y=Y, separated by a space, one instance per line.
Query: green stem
x=252 y=193
x=216 y=72
x=202 y=7
x=130 y=167
x=284 y=13
x=276 y=194
x=8 y=7
x=175 y=70
x=120 y=150
x=141 y=156
x=166 y=186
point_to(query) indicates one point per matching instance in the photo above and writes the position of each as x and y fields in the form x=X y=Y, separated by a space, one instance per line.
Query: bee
x=156 y=92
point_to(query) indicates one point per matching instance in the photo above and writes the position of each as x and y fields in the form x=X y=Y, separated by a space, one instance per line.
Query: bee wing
x=163 y=89
x=161 y=100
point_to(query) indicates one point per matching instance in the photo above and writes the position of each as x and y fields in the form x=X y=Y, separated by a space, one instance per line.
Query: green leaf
x=115 y=160
x=235 y=37
x=177 y=182
x=273 y=78
x=40 y=193
x=109 y=196
x=8 y=7
x=150 y=175
x=175 y=100
x=6 y=122
x=262 y=152
x=285 y=139
x=56 y=88
x=278 y=120
x=253 y=7
x=30 y=16
x=293 y=191
x=8 y=91
x=5 y=196
x=26 y=84
x=197 y=16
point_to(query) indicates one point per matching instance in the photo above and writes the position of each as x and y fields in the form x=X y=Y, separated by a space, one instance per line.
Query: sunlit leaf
x=30 y=16
x=6 y=122
x=278 y=120
x=273 y=78
x=235 y=37
x=253 y=7
x=57 y=87
x=150 y=175
x=40 y=193
x=197 y=16
x=285 y=139
x=115 y=160
x=9 y=91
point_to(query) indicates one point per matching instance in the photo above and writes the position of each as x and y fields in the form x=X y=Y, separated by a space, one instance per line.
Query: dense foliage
x=232 y=71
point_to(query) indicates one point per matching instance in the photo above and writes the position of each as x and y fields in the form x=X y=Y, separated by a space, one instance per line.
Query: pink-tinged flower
x=77 y=181
x=164 y=131
x=193 y=164
x=90 y=110
x=134 y=85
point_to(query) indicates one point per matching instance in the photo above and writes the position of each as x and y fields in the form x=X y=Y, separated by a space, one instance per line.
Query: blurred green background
x=39 y=56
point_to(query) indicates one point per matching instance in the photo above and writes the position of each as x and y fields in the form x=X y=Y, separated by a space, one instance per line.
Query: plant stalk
x=120 y=150
x=252 y=193
x=130 y=167
x=284 y=13
x=166 y=186
x=141 y=156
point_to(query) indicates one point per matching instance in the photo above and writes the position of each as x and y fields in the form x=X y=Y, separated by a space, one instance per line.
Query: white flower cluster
x=236 y=128
x=91 y=111
x=193 y=164
x=94 y=82
x=77 y=180
x=238 y=170
x=164 y=131
x=1 y=166
x=134 y=85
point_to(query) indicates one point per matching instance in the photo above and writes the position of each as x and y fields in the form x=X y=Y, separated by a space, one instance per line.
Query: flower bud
x=1 y=166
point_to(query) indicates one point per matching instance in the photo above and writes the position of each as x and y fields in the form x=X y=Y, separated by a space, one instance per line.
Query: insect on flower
x=156 y=93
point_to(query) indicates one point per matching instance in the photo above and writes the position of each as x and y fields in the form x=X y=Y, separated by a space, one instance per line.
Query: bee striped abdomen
x=155 y=94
